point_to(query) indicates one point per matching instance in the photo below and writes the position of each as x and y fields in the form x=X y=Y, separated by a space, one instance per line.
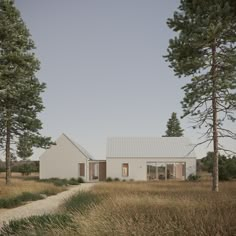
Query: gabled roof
x=150 y=147
x=80 y=148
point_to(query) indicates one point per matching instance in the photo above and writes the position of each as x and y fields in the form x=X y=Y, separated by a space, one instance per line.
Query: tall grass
x=21 y=191
x=18 y=186
x=150 y=208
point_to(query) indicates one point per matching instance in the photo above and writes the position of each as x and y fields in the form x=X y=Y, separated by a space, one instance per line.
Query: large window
x=81 y=169
x=125 y=169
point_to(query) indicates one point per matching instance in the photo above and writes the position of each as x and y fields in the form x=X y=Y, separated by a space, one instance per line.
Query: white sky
x=102 y=61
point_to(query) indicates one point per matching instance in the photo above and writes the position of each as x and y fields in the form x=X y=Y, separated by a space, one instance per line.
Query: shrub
x=109 y=179
x=56 y=181
x=193 y=177
x=25 y=169
x=80 y=180
x=116 y=179
x=73 y=181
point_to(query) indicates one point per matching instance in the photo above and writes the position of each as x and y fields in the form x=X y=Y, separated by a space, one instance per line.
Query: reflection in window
x=125 y=169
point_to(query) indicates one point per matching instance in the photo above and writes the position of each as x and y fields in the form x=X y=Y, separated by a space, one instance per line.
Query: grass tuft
x=39 y=224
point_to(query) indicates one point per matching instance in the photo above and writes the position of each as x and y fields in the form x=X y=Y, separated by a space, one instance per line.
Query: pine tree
x=173 y=127
x=205 y=51
x=20 y=90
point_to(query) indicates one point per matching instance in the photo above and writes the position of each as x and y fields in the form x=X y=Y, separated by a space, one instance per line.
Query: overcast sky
x=102 y=61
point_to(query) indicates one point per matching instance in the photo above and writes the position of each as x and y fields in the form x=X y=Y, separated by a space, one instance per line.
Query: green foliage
x=227 y=166
x=116 y=179
x=24 y=147
x=25 y=168
x=61 y=182
x=80 y=180
x=73 y=181
x=205 y=51
x=109 y=179
x=20 y=90
x=39 y=223
x=81 y=201
x=173 y=127
x=206 y=31
x=193 y=177
x=18 y=200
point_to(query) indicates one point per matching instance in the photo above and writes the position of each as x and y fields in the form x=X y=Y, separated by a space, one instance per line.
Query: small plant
x=73 y=181
x=193 y=177
x=80 y=180
x=109 y=179
x=117 y=179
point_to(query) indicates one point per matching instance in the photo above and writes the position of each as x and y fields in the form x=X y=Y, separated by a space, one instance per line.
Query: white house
x=150 y=158
x=68 y=159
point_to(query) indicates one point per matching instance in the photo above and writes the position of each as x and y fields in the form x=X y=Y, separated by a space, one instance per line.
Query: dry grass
x=175 y=208
x=19 y=185
x=153 y=208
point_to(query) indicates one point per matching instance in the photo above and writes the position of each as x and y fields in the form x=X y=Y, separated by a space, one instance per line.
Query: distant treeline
x=227 y=166
x=24 y=167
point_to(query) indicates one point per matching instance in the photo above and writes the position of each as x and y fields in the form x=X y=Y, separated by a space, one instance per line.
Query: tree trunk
x=215 y=183
x=8 y=152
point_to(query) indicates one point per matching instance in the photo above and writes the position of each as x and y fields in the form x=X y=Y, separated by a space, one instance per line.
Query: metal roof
x=149 y=147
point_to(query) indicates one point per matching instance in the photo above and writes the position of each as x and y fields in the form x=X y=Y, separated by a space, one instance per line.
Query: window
x=125 y=169
x=81 y=169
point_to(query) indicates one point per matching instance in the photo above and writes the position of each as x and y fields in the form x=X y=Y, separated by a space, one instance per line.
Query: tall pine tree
x=20 y=90
x=205 y=51
x=173 y=127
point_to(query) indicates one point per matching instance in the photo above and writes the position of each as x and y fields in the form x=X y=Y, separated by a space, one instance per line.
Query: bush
x=193 y=177
x=73 y=181
x=109 y=179
x=80 y=180
x=116 y=179
x=56 y=181
x=25 y=168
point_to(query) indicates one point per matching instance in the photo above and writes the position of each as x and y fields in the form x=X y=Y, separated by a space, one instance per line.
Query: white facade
x=138 y=153
x=138 y=166
x=62 y=160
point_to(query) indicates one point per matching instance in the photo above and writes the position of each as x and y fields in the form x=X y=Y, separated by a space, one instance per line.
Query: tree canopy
x=205 y=51
x=173 y=127
x=20 y=90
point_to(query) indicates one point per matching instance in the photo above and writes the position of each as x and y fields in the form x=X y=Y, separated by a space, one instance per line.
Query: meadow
x=23 y=189
x=140 y=208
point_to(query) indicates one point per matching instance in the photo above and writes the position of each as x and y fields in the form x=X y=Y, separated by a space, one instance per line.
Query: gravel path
x=40 y=207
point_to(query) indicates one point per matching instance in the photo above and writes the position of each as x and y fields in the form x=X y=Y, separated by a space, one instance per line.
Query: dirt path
x=40 y=207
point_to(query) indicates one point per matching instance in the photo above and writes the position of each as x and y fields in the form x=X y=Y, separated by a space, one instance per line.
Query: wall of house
x=62 y=161
x=138 y=166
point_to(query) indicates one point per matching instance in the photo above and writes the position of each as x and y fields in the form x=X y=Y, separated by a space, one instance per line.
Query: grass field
x=19 y=185
x=141 y=208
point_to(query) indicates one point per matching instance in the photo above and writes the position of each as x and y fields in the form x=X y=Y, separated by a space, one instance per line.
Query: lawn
x=141 y=208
